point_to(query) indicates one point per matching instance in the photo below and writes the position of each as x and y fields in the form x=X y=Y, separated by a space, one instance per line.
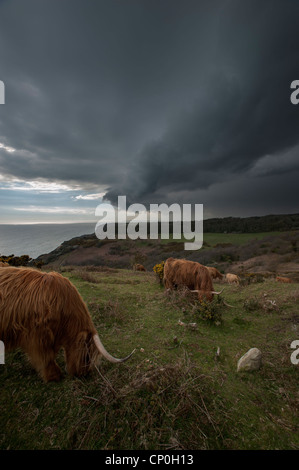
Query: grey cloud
x=244 y=117
x=155 y=99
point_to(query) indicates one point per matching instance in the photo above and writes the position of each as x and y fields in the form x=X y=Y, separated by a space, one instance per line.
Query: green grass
x=174 y=393
x=237 y=239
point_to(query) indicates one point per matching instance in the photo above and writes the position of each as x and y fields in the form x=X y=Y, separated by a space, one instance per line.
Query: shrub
x=159 y=270
x=139 y=258
x=252 y=304
x=210 y=311
x=38 y=264
x=250 y=278
x=13 y=260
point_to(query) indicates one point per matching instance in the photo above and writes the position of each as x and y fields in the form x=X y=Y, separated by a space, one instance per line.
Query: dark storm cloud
x=162 y=101
x=241 y=118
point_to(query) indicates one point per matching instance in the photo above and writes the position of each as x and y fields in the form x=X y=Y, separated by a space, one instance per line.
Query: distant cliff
x=222 y=249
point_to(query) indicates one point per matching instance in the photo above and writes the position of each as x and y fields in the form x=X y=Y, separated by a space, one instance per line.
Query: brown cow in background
x=283 y=279
x=214 y=273
x=43 y=312
x=139 y=267
x=195 y=276
x=3 y=264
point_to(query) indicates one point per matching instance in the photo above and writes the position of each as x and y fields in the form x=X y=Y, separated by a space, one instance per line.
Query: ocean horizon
x=37 y=239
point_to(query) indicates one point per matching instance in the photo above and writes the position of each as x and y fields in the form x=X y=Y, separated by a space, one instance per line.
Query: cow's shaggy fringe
x=42 y=312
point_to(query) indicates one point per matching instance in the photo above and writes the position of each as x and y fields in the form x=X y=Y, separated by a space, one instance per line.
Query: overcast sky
x=182 y=101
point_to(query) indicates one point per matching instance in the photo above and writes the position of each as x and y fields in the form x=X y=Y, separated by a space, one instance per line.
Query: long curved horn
x=212 y=291
x=217 y=293
x=228 y=305
x=100 y=347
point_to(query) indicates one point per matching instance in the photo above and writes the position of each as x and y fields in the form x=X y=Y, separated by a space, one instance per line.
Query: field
x=175 y=392
x=211 y=239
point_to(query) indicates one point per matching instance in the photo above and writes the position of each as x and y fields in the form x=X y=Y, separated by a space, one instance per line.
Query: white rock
x=252 y=360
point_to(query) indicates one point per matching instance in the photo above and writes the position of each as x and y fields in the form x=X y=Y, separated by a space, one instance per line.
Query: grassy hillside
x=211 y=239
x=175 y=392
x=229 y=252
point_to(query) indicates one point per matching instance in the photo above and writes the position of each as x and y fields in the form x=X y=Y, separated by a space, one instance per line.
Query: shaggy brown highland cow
x=214 y=273
x=43 y=312
x=195 y=276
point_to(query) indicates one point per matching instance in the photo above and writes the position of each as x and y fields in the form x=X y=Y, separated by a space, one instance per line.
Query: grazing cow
x=214 y=273
x=195 y=276
x=232 y=279
x=283 y=279
x=43 y=312
x=139 y=267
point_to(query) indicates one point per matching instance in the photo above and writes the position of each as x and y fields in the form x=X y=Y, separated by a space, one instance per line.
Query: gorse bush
x=13 y=260
x=159 y=270
x=252 y=278
x=210 y=311
x=188 y=303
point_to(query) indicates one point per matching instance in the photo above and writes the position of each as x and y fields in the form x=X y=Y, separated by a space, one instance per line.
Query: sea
x=37 y=239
